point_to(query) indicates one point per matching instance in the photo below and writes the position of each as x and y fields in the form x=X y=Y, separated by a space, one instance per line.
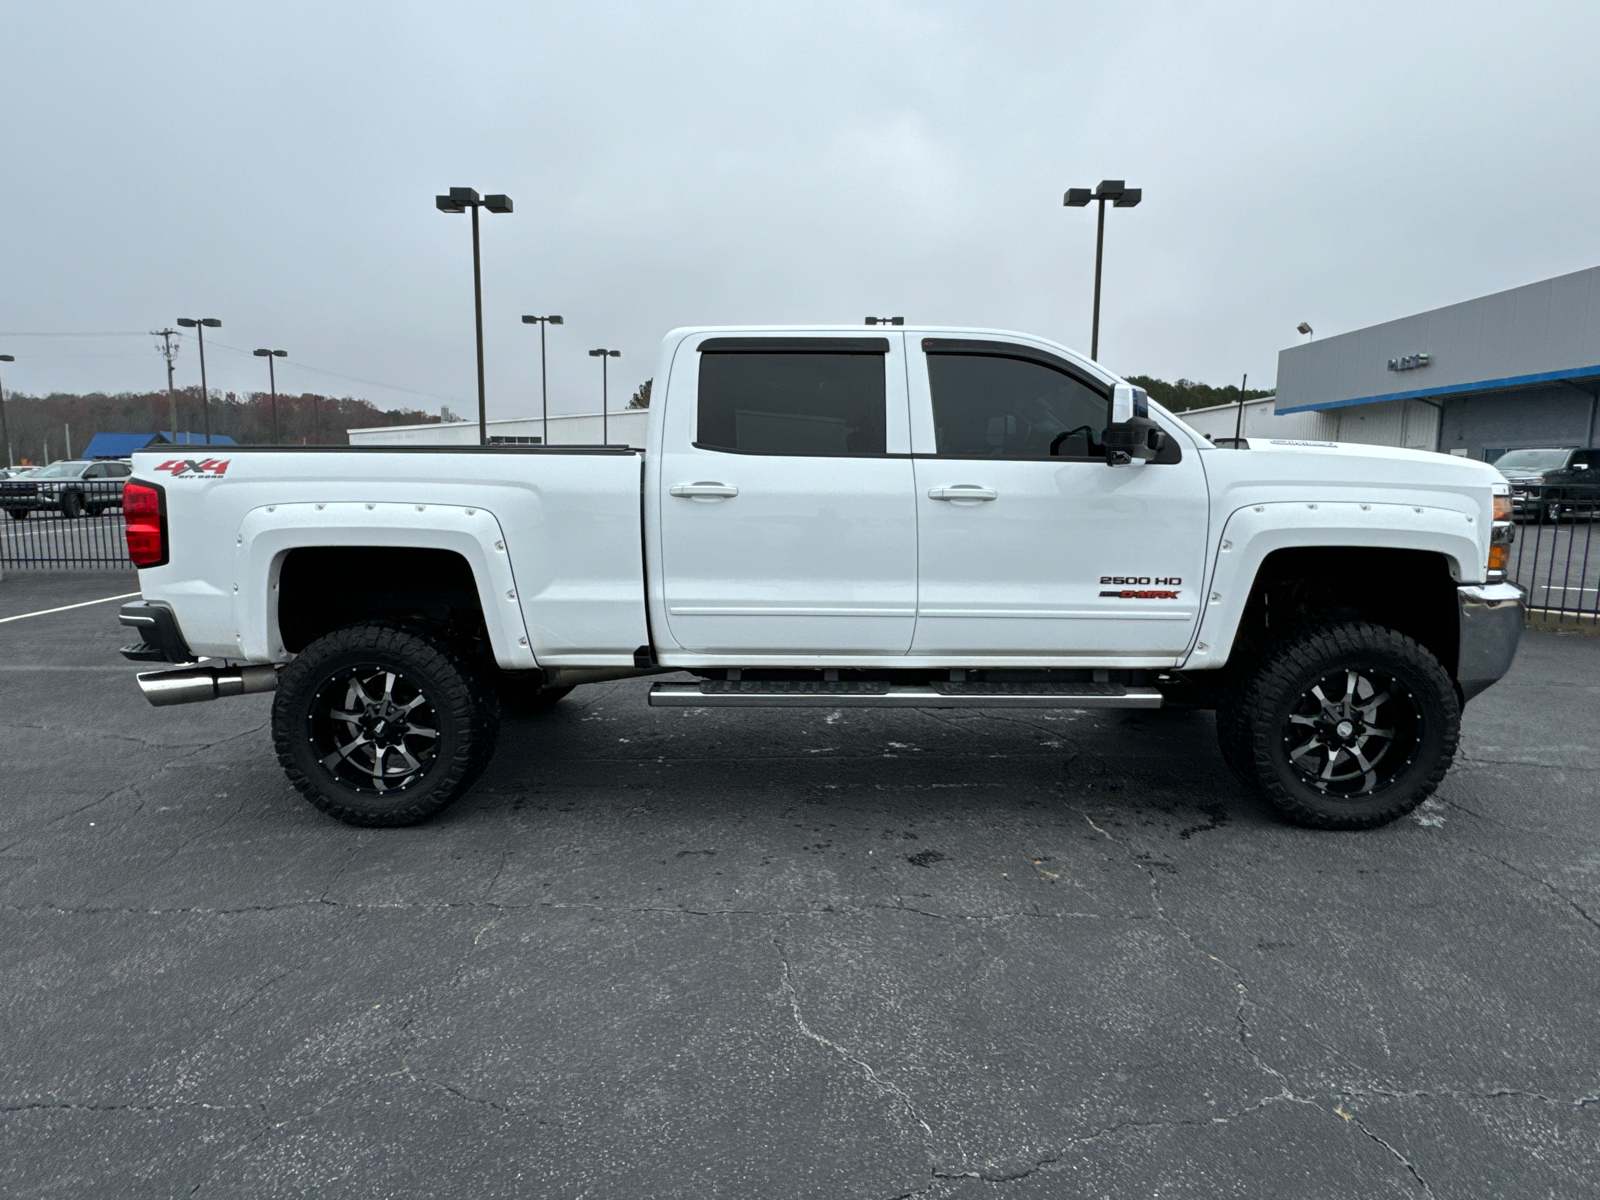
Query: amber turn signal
x=1502 y=508
x=1498 y=557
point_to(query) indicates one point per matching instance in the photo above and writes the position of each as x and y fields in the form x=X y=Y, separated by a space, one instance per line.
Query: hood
x=1297 y=464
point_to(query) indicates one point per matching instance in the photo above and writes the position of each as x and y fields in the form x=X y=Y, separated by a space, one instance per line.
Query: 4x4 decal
x=206 y=468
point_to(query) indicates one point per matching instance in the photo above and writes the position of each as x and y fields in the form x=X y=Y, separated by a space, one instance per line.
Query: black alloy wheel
x=1345 y=727
x=1352 y=732
x=383 y=724
x=374 y=728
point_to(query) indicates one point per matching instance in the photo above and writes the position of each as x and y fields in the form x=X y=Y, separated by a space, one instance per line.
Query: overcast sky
x=274 y=165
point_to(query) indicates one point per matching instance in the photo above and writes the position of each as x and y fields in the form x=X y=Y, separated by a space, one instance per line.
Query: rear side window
x=998 y=407
x=803 y=404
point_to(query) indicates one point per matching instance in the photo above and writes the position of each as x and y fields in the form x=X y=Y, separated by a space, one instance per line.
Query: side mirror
x=1128 y=402
x=1131 y=433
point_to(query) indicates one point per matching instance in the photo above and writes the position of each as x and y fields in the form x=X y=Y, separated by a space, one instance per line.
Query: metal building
x=1519 y=368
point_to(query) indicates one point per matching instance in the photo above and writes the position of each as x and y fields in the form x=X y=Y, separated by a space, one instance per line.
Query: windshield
x=1532 y=460
x=61 y=470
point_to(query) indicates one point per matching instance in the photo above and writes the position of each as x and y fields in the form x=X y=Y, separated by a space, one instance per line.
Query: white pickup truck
x=903 y=517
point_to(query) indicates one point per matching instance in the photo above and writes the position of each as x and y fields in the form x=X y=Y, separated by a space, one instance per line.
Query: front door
x=788 y=523
x=1030 y=544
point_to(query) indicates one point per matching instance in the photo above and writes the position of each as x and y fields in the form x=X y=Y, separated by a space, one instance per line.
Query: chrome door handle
x=703 y=489
x=963 y=491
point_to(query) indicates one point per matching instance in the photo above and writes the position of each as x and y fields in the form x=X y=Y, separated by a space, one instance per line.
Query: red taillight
x=147 y=524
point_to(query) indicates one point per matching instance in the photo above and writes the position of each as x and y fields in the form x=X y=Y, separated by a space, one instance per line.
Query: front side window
x=803 y=404
x=993 y=406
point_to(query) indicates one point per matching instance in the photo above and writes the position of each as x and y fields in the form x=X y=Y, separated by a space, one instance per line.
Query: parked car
x=840 y=518
x=74 y=487
x=1548 y=483
x=16 y=472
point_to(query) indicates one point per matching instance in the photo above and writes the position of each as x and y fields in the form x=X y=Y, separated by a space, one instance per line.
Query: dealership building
x=1519 y=368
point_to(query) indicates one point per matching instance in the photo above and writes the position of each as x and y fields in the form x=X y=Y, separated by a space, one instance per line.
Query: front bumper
x=1492 y=617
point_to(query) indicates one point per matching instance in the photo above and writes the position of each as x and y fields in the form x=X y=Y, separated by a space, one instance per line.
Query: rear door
x=788 y=524
x=1030 y=544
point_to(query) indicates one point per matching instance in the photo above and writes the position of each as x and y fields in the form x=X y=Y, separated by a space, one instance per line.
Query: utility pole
x=5 y=437
x=169 y=352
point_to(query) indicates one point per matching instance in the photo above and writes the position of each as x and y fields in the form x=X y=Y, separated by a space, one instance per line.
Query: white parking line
x=44 y=612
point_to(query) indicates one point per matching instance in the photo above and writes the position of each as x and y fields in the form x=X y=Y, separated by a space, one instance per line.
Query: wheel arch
x=305 y=569
x=1394 y=565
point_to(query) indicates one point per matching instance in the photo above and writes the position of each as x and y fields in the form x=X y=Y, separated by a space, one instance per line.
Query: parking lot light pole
x=1121 y=196
x=544 y=385
x=200 y=325
x=5 y=437
x=272 y=380
x=603 y=354
x=458 y=200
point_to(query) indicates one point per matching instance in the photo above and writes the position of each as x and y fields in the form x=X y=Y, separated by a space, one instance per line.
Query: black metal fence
x=44 y=539
x=1556 y=556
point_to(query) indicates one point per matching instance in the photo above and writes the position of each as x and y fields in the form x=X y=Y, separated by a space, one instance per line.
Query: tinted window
x=800 y=404
x=1011 y=408
x=118 y=470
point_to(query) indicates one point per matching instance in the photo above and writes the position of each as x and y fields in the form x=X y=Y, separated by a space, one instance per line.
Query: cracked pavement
x=680 y=953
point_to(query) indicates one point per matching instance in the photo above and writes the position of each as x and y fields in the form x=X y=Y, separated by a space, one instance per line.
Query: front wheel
x=1346 y=727
x=72 y=505
x=17 y=514
x=383 y=724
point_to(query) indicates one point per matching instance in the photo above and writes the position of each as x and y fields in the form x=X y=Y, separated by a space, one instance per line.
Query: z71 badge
x=207 y=468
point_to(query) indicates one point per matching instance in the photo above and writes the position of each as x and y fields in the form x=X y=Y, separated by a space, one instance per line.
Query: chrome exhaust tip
x=193 y=684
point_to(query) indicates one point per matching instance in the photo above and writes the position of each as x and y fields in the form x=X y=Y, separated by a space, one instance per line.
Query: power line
x=352 y=378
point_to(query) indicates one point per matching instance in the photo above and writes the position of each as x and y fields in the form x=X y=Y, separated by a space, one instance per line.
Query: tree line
x=1184 y=394
x=39 y=425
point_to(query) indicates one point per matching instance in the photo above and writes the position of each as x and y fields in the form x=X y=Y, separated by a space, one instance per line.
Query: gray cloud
x=275 y=166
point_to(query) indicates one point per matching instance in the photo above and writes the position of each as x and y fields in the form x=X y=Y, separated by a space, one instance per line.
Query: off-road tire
x=465 y=708
x=1423 y=693
x=17 y=514
x=97 y=510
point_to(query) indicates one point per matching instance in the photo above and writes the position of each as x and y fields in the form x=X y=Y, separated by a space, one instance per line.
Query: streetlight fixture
x=1305 y=328
x=200 y=325
x=272 y=379
x=544 y=385
x=1121 y=196
x=5 y=437
x=602 y=354
x=459 y=200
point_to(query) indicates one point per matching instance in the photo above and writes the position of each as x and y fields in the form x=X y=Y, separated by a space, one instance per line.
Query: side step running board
x=850 y=694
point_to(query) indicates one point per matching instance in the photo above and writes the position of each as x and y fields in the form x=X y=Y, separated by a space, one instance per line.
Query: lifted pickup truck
x=924 y=518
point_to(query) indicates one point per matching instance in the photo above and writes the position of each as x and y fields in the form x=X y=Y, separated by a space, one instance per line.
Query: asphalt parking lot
x=673 y=953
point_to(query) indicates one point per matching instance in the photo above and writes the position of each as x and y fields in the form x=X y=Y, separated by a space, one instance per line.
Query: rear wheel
x=383 y=724
x=1346 y=727
x=17 y=514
